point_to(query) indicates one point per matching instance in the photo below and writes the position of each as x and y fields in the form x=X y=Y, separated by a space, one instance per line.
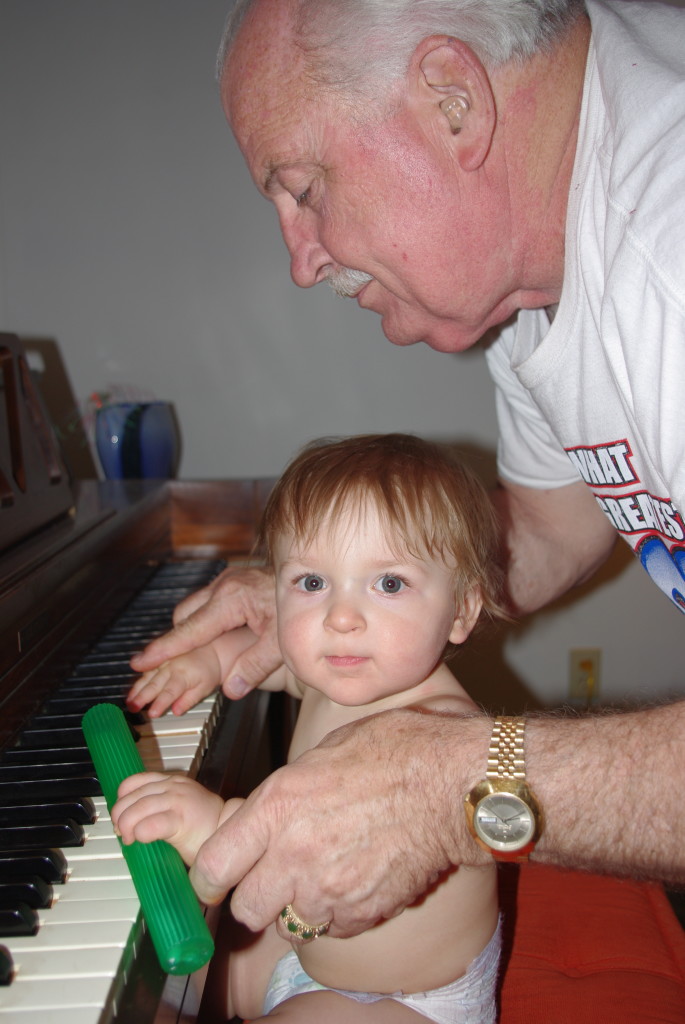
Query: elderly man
x=456 y=165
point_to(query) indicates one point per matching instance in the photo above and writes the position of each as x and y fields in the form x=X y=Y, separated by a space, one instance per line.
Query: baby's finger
x=175 y=687
x=187 y=700
x=134 y=782
x=145 y=821
x=147 y=688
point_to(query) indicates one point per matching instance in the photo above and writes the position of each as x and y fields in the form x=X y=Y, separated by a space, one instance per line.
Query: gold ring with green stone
x=299 y=929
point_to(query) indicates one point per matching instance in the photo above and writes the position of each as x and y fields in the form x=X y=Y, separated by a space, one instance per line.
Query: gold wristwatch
x=502 y=812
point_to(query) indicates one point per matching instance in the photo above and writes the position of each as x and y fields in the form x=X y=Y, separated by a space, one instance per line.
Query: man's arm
x=304 y=838
x=610 y=787
x=554 y=540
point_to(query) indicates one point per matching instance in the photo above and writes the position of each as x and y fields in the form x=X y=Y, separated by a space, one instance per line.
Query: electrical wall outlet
x=584 y=675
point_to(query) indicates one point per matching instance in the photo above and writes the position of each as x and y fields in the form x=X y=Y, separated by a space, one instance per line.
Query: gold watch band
x=506 y=753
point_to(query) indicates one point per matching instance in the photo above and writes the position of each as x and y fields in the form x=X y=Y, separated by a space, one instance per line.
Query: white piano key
x=97 y=831
x=153 y=745
x=72 y=1015
x=192 y=723
x=117 y=888
x=84 y=962
x=95 y=870
x=72 y=935
x=181 y=764
x=106 y=848
x=85 y=912
x=25 y=995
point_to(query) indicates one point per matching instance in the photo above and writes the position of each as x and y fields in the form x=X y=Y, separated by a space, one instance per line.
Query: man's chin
x=397 y=336
x=442 y=336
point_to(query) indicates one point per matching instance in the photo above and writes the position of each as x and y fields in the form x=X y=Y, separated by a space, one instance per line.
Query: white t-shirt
x=597 y=393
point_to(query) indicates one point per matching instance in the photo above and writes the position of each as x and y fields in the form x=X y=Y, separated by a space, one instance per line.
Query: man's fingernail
x=204 y=891
x=237 y=687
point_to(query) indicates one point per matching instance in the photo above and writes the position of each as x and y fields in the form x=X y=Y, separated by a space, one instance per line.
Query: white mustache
x=347 y=282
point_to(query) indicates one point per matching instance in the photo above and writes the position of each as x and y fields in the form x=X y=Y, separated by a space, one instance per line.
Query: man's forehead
x=263 y=62
x=265 y=94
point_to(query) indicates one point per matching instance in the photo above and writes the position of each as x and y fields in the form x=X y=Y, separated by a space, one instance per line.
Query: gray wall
x=131 y=235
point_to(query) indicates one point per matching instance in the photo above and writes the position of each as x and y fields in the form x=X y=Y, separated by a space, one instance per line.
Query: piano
x=90 y=572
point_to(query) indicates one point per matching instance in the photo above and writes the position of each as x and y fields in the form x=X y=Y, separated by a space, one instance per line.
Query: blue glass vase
x=137 y=439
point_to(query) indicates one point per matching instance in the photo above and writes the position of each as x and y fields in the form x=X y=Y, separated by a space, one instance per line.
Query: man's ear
x=452 y=93
x=466 y=615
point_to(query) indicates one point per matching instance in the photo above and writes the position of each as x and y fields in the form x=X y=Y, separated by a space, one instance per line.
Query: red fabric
x=585 y=949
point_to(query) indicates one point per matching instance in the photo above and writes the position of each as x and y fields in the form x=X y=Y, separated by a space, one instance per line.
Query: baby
x=384 y=556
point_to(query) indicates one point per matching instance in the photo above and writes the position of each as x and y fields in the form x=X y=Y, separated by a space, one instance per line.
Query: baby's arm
x=183 y=681
x=152 y=806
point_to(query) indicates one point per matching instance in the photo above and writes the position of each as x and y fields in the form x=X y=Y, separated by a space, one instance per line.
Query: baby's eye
x=311 y=583
x=390 y=584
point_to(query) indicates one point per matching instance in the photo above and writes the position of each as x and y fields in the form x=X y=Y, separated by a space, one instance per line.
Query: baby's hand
x=178 y=684
x=152 y=806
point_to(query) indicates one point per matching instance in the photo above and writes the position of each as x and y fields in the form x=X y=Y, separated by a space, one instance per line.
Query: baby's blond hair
x=429 y=502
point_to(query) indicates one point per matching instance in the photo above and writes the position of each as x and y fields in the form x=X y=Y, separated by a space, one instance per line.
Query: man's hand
x=237 y=597
x=355 y=829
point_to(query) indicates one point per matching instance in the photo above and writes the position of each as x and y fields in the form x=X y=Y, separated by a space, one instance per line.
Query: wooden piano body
x=59 y=589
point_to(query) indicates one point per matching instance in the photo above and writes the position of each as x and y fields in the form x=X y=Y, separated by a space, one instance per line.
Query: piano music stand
x=34 y=483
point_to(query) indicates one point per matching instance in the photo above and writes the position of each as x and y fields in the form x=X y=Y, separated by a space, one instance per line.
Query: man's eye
x=310 y=583
x=304 y=197
x=390 y=584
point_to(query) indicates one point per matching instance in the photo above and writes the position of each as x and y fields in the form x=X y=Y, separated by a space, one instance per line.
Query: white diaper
x=469 y=1000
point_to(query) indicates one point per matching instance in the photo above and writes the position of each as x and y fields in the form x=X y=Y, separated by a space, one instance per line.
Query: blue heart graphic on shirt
x=666 y=568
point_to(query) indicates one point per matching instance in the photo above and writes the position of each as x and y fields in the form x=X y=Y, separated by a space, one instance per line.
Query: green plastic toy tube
x=170 y=907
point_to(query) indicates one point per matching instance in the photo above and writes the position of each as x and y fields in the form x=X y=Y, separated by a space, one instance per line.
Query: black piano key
x=60 y=721
x=21 y=920
x=26 y=773
x=127 y=634
x=39 y=737
x=33 y=738
x=75 y=705
x=96 y=689
x=102 y=670
x=45 y=721
x=48 y=755
x=68 y=704
x=51 y=865
x=61 y=834
x=6 y=966
x=42 y=733
x=98 y=656
x=81 y=811
x=129 y=647
x=140 y=621
x=42 y=788
x=34 y=892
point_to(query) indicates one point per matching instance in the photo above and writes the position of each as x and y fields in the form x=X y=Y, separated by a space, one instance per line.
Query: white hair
x=366 y=45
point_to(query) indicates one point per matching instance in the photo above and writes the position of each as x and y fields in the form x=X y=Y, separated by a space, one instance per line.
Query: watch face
x=503 y=821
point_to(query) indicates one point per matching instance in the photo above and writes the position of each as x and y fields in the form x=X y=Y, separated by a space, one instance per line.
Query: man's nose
x=310 y=263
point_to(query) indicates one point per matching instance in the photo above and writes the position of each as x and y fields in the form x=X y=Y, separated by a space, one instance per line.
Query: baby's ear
x=466 y=616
